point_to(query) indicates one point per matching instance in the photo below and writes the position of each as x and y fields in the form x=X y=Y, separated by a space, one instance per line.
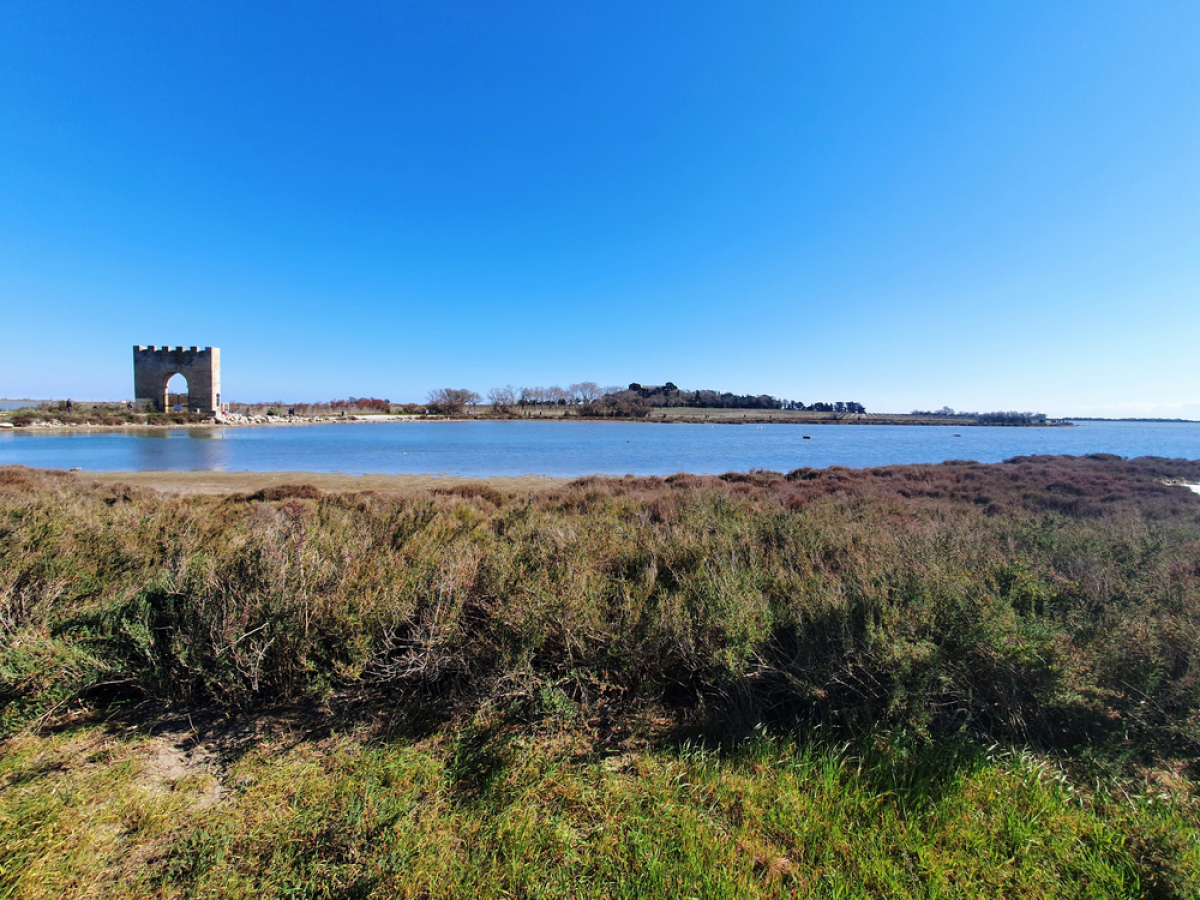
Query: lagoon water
x=573 y=448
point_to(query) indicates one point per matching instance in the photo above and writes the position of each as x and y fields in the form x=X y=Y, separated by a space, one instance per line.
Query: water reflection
x=178 y=449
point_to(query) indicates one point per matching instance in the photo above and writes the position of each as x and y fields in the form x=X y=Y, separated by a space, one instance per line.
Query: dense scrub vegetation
x=669 y=395
x=109 y=414
x=1039 y=600
x=677 y=673
x=1003 y=417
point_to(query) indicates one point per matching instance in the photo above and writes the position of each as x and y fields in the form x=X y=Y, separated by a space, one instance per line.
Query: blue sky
x=985 y=205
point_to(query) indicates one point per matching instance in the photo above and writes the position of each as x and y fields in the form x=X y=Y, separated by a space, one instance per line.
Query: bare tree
x=586 y=392
x=450 y=401
x=503 y=399
x=534 y=396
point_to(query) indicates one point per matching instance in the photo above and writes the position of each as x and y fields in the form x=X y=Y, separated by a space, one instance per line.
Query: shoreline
x=193 y=483
x=898 y=420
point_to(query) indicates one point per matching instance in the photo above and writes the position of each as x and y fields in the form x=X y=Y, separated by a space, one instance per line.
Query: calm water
x=574 y=448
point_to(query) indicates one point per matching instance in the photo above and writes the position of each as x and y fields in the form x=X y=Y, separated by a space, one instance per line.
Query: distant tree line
x=669 y=395
x=361 y=403
x=1012 y=417
x=1000 y=417
x=509 y=399
x=587 y=398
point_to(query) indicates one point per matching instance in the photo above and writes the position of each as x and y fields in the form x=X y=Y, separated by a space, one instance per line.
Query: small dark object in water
x=807 y=438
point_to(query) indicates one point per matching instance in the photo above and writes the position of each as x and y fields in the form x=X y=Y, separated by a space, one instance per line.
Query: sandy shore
x=221 y=483
x=224 y=483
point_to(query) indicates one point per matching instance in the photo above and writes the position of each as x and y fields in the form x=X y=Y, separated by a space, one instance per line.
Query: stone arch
x=154 y=366
x=176 y=390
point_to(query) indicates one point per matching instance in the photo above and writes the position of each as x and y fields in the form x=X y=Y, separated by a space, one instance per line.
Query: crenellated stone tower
x=201 y=366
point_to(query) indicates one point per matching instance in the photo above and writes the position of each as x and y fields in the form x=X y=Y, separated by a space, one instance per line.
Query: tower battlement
x=155 y=350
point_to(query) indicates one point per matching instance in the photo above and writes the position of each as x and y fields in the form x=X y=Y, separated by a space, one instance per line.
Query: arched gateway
x=201 y=366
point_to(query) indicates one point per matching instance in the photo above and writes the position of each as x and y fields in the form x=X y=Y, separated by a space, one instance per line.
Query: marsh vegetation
x=912 y=680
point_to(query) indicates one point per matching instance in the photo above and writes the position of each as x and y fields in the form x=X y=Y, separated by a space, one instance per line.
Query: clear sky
x=911 y=205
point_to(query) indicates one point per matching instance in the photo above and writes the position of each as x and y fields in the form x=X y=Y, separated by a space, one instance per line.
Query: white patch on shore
x=1194 y=487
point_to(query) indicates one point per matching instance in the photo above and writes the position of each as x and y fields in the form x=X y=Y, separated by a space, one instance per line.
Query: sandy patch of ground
x=221 y=483
x=170 y=764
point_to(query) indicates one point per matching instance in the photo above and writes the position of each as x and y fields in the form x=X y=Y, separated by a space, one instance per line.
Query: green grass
x=767 y=818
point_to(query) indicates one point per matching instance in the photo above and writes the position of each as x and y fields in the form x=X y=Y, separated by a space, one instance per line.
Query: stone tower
x=201 y=366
